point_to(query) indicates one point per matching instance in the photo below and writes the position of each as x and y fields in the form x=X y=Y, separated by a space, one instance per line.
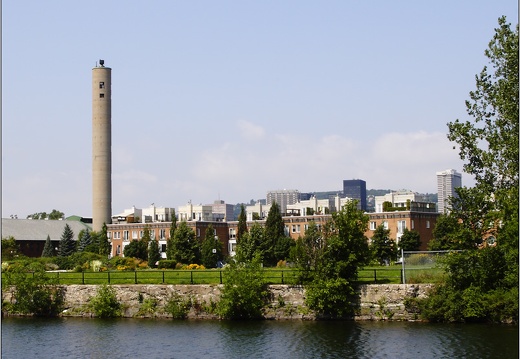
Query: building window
x=163 y=248
x=118 y=250
x=162 y=233
x=125 y=235
x=101 y=85
x=232 y=233
x=293 y=228
x=427 y=224
x=413 y=224
x=101 y=95
x=401 y=225
x=385 y=224
x=373 y=226
x=297 y=228
x=134 y=234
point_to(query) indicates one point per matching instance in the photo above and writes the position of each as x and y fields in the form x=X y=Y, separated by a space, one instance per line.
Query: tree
x=331 y=292
x=135 y=249
x=242 y=223
x=10 y=248
x=309 y=248
x=383 y=247
x=211 y=248
x=67 y=243
x=154 y=254
x=410 y=240
x=251 y=244
x=54 y=215
x=173 y=227
x=104 y=245
x=85 y=240
x=277 y=245
x=48 y=249
x=449 y=234
x=482 y=285
x=185 y=247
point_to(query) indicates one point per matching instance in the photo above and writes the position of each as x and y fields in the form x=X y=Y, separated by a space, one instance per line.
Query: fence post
x=162 y=277
x=191 y=277
x=135 y=275
x=282 y=277
x=402 y=276
x=57 y=277
x=375 y=276
x=82 y=277
x=221 y=277
x=108 y=272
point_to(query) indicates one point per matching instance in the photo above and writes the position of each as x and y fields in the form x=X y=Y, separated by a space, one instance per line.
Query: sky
x=231 y=99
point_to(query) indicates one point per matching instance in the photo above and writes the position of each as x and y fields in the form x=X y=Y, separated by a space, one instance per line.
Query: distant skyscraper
x=283 y=198
x=447 y=181
x=101 y=146
x=356 y=189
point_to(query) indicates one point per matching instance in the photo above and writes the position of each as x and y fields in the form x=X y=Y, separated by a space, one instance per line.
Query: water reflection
x=96 y=338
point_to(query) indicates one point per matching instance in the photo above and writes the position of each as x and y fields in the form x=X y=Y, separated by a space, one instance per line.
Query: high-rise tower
x=356 y=189
x=101 y=146
x=447 y=181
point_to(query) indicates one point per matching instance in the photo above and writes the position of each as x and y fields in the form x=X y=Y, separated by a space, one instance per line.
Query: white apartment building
x=192 y=212
x=447 y=181
x=261 y=211
x=145 y=215
x=317 y=206
x=400 y=199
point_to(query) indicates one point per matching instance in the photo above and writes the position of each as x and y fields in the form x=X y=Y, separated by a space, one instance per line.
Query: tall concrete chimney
x=101 y=146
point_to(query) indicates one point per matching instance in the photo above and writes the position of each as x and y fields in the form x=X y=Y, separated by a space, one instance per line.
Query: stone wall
x=376 y=302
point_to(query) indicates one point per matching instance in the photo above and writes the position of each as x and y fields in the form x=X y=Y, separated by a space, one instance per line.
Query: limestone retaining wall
x=376 y=301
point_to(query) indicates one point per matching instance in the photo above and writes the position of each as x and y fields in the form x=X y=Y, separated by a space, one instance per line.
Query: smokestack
x=101 y=146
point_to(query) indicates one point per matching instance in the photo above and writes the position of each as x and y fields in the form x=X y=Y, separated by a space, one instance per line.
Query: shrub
x=166 y=264
x=148 y=306
x=105 y=304
x=244 y=294
x=34 y=293
x=177 y=306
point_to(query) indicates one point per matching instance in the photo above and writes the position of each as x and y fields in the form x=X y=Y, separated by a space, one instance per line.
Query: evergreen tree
x=276 y=245
x=211 y=248
x=103 y=242
x=383 y=247
x=85 y=240
x=67 y=243
x=169 y=242
x=410 y=240
x=242 y=223
x=185 y=247
x=48 y=249
x=154 y=254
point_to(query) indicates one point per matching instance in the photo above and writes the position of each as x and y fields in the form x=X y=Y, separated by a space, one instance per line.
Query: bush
x=105 y=304
x=244 y=294
x=123 y=263
x=178 y=307
x=33 y=291
x=166 y=264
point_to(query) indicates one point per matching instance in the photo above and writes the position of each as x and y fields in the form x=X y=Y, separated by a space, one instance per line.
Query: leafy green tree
x=251 y=244
x=308 y=249
x=56 y=215
x=105 y=303
x=136 y=249
x=154 y=254
x=85 y=240
x=48 y=249
x=482 y=285
x=450 y=234
x=211 y=248
x=332 y=291
x=10 y=248
x=185 y=247
x=410 y=240
x=169 y=246
x=383 y=248
x=104 y=245
x=244 y=294
x=67 y=243
x=242 y=223
x=276 y=245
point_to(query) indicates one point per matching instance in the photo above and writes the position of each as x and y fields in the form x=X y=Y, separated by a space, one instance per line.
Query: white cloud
x=250 y=131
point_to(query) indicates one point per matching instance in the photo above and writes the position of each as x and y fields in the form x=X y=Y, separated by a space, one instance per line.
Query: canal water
x=151 y=338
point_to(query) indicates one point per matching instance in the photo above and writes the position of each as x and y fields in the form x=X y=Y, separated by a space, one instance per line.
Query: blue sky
x=231 y=99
